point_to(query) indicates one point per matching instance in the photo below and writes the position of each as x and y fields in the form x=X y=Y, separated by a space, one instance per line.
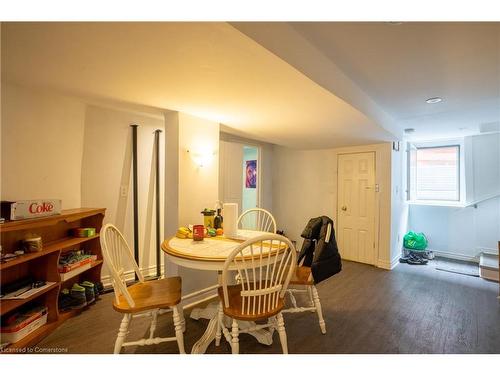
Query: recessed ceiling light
x=409 y=130
x=435 y=100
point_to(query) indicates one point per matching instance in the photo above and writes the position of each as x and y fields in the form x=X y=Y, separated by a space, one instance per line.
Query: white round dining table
x=210 y=255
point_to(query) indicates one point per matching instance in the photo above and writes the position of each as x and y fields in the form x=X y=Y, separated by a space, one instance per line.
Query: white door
x=230 y=173
x=356 y=207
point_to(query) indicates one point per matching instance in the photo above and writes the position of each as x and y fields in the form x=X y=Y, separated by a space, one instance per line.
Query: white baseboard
x=446 y=254
x=386 y=265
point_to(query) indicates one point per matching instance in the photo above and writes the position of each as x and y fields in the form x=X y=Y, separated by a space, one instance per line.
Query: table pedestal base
x=264 y=336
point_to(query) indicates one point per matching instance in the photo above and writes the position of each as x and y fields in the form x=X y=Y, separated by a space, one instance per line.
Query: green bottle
x=218 y=220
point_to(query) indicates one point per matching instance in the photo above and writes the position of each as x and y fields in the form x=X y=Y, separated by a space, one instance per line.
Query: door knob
x=344 y=208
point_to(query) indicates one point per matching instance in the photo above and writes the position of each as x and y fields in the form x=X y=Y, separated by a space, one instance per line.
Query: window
x=434 y=173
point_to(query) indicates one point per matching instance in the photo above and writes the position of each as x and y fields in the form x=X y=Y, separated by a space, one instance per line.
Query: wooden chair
x=302 y=276
x=257 y=219
x=265 y=265
x=143 y=299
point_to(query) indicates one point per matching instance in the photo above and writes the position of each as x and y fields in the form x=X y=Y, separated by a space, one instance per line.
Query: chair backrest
x=117 y=254
x=257 y=219
x=265 y=265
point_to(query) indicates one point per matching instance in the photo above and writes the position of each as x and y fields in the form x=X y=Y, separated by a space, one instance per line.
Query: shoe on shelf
x=99 y=288
x=89 y=291
x=65 y=300
x=79 y=298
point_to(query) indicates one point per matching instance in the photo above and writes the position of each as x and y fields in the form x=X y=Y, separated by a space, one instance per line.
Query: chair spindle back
x=257 y=219
x=117 y=254
x=264 y=265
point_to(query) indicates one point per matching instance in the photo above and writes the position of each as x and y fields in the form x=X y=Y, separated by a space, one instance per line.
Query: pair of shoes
x=89 y=291
x=72 y=299
x=98 y=289
x=79 y=296
x=65 y=300
x=415 y=259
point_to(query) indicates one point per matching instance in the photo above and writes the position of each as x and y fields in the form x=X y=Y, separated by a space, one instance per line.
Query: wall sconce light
x=201 y=158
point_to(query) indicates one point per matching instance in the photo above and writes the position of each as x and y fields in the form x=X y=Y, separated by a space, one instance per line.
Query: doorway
x=356 y=207
x=239 y=176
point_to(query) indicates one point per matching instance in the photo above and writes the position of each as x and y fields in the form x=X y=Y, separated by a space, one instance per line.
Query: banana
x=184 y=232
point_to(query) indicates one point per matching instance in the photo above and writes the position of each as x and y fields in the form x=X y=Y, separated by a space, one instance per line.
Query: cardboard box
x=30 y=209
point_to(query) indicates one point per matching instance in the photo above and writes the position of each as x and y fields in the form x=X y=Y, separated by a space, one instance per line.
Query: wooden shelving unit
x=56 y=237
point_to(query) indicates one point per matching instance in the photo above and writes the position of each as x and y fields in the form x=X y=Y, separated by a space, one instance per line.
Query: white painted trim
x=487 y=251
x=457 y=256
x=389 y=265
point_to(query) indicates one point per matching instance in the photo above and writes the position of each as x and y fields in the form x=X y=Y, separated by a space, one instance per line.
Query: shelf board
x=48 y=248
x=66 y=242
x=81 y=269
x=67 y=215
x=26 y=258
x=11 y=304
x=65 y=315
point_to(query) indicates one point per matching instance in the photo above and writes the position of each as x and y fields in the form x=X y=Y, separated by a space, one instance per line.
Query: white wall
x=459 y=232
x=107 y=175
x=305 y=186
x=483 y=155
x=197 y=186
x=42 y=143
x=399 y=207
x=464 y=232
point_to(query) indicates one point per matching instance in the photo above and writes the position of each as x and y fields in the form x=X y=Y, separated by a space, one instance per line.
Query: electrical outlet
x=123 y=190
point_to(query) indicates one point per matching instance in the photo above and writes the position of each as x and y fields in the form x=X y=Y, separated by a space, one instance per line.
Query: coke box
x=30 y=209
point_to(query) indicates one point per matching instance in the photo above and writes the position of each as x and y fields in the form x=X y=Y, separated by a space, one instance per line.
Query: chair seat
x=234 y=310
x=302 y=276
x=153 y=294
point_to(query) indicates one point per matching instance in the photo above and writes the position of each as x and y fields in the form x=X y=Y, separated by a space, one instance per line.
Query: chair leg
x=122 y=333
x=311 y=300
x=181 y=315
x=178 y=330
x=235 y=344
x=282 y=333
x=154 y=320
x=317 y=304
x=220 y=317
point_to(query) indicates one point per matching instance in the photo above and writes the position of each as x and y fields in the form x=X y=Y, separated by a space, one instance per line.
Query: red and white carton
x=30 y=209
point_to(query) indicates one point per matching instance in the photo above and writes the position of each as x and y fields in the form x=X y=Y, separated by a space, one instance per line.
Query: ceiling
x=399 y=66
x=210 y=70
x=302 y=85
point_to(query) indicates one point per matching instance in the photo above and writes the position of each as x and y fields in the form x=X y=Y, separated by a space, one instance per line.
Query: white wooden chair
x=265 y=265
x=302 y=276
x=257 y=219
x=143 y=299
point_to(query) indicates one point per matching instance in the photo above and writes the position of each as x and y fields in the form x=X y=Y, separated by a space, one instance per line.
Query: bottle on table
x=218 y=220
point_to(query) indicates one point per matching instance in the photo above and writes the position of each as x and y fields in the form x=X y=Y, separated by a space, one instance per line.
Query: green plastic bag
x=415 y=241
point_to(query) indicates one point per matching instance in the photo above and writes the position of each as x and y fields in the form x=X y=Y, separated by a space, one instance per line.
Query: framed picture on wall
x=251 y=174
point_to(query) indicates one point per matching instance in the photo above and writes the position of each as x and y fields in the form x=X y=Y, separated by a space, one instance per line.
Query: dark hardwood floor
x=412 y=309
